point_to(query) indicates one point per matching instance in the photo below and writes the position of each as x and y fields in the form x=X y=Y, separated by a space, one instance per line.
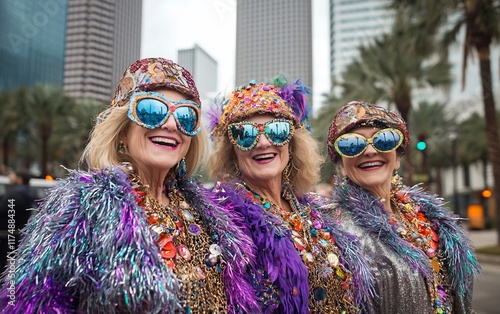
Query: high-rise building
x=203 y=68
x=102 y=39
x=273 y=37
x=358 y=22
x=31 y=43
x=353 y=23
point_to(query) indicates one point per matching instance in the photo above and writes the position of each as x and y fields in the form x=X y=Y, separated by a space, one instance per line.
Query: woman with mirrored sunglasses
x=134 y=233
x=266 y=162
x=421 y=259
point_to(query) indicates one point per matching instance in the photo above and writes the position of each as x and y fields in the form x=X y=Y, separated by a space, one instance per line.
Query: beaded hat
x=357 y=113
x=151 y=73
x=278 y=98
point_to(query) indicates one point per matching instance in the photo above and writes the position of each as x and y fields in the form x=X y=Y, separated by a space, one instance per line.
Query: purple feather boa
x=90 y=249
x=280 y=258
x=454 y=245
x=238 y=248
x=277 y=253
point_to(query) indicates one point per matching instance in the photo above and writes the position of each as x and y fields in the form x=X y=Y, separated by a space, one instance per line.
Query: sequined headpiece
x=278 y=98
x=151 y=73
x=357 y=113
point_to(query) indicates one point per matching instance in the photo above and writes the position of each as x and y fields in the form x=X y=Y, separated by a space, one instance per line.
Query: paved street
x=486 y=298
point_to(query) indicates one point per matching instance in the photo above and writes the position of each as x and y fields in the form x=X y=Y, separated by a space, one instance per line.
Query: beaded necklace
x=414 y=227
x=194 y=256
x=330 y=282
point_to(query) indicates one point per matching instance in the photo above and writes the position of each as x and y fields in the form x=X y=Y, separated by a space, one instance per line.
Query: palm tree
x=390 y=70
x=481 y=20
x=13 y=120
x=433 y=120
x=72 y=132
x=47 y=104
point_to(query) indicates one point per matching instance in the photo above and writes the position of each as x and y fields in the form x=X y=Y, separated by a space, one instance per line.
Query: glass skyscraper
x=32 y=36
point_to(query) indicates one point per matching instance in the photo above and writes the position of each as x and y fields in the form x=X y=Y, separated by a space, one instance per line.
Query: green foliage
x=42 y=125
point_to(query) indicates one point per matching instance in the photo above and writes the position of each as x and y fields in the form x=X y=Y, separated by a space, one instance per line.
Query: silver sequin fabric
x=400 y=288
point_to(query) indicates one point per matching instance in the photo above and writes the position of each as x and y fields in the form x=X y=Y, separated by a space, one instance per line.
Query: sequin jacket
x=90 y=250
x=285 y=271
x=400 y=269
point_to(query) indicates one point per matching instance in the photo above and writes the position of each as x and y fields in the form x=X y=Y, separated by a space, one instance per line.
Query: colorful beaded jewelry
x=330 y=282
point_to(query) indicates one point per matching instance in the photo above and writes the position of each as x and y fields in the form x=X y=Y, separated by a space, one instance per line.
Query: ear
x=397 y=163
x=341 y=169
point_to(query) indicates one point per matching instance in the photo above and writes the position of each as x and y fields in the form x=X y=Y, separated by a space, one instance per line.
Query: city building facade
x=102 y=39
x=273 y=37
x=203 y=68
x=32 y=36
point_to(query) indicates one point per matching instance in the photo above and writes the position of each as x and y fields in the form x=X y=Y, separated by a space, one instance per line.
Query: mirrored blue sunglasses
x=245 y=135
x=352 y=145
x=151 y=110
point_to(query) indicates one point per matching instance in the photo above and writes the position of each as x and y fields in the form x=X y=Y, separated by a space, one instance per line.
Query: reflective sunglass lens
x=151 y=112
x=386 y=140
x=278 y=132
x=351 y=145
x=244 y=134
x=187 y=118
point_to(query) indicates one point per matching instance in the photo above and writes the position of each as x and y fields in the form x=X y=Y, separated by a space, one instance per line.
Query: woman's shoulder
x=80 y=179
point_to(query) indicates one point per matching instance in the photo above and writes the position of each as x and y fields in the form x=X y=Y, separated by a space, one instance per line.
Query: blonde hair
x=101 y=151
x=304 y=152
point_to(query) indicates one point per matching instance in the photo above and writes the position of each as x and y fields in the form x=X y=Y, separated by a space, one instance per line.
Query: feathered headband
x=278 y=98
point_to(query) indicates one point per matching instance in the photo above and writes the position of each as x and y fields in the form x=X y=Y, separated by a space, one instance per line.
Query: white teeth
x=372 y=164
x=163 y=140
x=264 y=156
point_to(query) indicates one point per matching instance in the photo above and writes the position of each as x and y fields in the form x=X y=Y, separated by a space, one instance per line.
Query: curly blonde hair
x=101 y=151
x=305 y=157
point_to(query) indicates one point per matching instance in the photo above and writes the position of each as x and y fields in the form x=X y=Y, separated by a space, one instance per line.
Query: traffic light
x=421 y=144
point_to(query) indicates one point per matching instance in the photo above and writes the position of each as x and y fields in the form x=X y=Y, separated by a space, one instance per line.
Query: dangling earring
x=181 y=169
x=287 y=172
x=237 y=174
x=397 y=181
x=121 y=148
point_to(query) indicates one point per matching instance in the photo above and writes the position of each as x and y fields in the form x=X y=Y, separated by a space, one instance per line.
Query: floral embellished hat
x=278 y=98
x=151 y=73
x=358 y=113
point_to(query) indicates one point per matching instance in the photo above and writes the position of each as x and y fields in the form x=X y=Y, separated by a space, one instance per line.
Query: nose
x=170 y=124
x=370 y=150
x=263 y=142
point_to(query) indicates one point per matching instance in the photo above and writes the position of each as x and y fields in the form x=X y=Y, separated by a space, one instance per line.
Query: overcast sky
x=171 y=25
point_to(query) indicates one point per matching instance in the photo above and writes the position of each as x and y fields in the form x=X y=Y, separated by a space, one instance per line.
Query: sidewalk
x=482 y=238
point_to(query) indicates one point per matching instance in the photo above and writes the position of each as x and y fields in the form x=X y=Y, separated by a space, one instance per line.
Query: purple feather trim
x=237 y=248
x=81 y=254
x=295 y=95
x=277 y=253
x=213 y=113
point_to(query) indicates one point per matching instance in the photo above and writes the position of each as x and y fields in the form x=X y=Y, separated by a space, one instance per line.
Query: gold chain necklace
x=330 y=282
x=194 y=256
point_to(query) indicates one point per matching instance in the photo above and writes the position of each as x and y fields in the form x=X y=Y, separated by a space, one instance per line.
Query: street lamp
x=452 y=135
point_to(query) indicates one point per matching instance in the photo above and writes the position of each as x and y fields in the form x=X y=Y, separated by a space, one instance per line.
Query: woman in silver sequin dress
x=421 y=259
